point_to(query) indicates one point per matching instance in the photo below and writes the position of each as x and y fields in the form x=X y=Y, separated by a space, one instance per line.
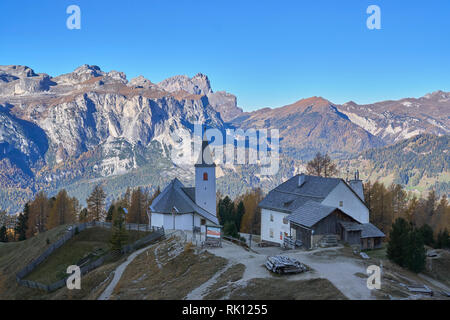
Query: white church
x=188 y=208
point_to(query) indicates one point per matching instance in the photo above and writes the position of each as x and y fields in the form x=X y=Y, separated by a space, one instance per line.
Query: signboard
x=213 y=232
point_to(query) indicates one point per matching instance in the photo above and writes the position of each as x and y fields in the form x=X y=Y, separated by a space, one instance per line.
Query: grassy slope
x=16 y=255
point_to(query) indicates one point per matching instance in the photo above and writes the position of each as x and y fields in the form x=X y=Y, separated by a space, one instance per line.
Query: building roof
x=310 y=213
x=368 y=230
x=175 y=195
x=289 y=196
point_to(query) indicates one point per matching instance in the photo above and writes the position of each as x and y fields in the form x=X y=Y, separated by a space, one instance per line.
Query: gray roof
x=368 y=230
x=288 y=196
x=175 y=195
x=310 y=213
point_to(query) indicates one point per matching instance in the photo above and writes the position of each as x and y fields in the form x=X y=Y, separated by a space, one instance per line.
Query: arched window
x=205 y=176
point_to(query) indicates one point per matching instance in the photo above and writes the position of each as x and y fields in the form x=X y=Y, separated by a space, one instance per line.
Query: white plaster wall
x=205 y=191
x=352 y=205
x=276 y=225
x=157 y=219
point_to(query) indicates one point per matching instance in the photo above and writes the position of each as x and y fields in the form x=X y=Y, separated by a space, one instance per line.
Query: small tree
x=230 y=229
x=119 y=234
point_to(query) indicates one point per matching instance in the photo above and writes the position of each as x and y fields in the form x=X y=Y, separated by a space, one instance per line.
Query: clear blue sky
x=267 y=53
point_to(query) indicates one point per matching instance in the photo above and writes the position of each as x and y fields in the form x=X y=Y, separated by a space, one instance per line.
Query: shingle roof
x=175 y=195
x=310 y=213
x=288 y=196
x=368 y=230
x=351 y=226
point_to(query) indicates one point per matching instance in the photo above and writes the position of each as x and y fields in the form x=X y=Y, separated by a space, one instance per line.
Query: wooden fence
x=157 y=233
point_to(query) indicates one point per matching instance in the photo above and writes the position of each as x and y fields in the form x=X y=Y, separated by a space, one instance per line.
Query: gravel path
x=119 y=271
x=338 y=269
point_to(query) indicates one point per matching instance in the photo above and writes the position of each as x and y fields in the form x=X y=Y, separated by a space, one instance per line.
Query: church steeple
x=205 y=179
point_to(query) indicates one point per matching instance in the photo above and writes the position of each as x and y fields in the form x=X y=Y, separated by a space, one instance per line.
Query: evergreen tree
x=83 y=216
x=398 y=242
x=22 y=223
x=416 y=253
x=230 y=229
x=427 y=234
x=3 y=234
x=240 y=211
x=109 y=214
x=443 y=240
x=119 y=234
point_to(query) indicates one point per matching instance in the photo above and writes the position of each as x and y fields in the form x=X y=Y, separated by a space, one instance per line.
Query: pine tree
x=427 y=234
x=83 y=216
x=3 y=234
x=96 y=204
x=415 y=252
x=22 y=223
x=398 y=242
x=119 y=234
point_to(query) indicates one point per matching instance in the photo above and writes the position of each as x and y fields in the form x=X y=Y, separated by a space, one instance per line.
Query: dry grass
x=282 y=289
x=167 y=271
x=224 y=284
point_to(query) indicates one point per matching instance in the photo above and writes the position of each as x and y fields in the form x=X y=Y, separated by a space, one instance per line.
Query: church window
x=271 y=217
x=205 y=176
x=341 y=203
x=203 y=222
x=271 y=233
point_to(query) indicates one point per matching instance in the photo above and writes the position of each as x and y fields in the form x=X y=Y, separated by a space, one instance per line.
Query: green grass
x=377 y=253
x=91 y=244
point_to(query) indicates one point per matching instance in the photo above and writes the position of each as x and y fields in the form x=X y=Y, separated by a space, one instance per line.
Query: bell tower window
x=205 y=176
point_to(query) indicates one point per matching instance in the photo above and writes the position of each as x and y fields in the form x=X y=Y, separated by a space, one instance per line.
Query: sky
x=267 y=53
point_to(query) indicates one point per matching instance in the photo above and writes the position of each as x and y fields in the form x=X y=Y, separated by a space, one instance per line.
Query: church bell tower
x=205 y=180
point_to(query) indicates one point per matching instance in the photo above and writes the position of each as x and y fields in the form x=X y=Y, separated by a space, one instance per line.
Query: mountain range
x=90 y=126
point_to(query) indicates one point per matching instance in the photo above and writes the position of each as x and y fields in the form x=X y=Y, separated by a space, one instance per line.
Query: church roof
x=177 y=196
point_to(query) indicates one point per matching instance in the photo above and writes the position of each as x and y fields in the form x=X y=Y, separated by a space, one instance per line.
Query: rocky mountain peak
x=199 y=84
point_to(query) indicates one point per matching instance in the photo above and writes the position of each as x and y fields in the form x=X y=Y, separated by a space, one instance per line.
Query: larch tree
x=63 y=210
x=39 y=210
x=138 y=210
x=96 y=204
x=321 y=166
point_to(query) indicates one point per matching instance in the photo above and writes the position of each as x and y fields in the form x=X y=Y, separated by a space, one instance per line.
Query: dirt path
x=119 y=271
x=199 y=292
